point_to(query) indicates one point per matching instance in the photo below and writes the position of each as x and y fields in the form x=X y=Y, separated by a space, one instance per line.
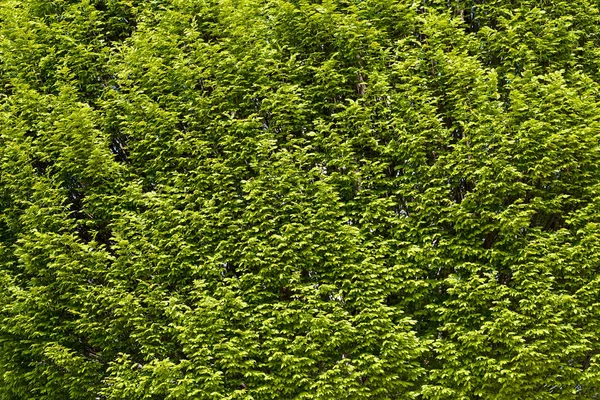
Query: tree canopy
x=297 y=199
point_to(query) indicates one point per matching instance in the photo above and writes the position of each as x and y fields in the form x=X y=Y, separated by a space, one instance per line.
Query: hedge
x=299 y=199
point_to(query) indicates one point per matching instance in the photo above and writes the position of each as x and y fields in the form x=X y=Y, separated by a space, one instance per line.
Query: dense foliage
x=286 y=199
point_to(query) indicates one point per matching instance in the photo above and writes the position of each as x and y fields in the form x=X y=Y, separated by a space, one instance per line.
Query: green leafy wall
x=346 y=199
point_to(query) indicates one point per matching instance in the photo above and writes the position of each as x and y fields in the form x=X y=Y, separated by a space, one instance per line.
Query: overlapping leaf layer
x=286 y=199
